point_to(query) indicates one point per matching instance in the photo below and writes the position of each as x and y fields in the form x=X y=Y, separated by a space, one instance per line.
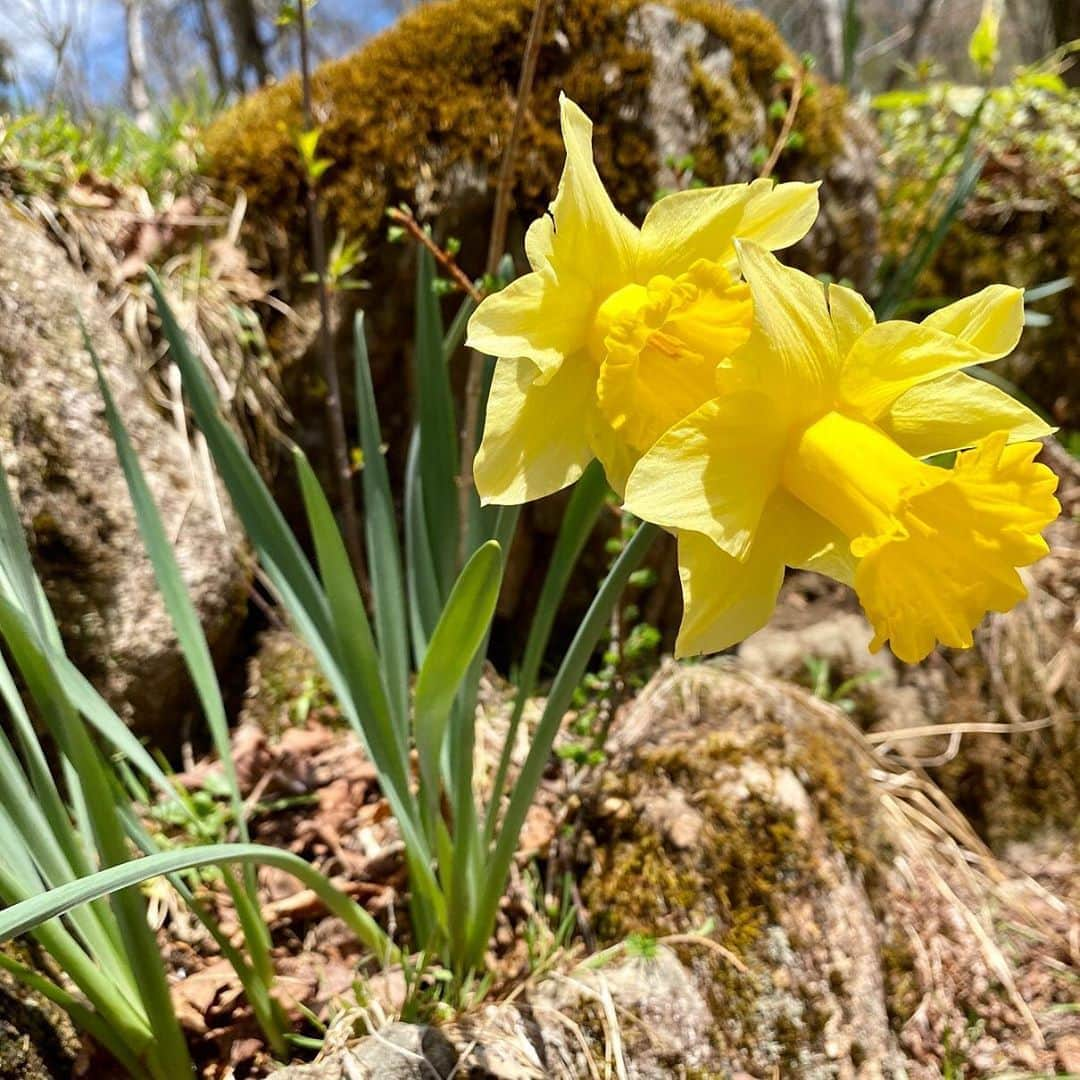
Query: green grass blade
x=355 y=645
x=263 y=521
x=29 y=914
x=562 y=690
x=383 y=549
x=461 y=630
x=578 y=522
x=422 y=581
x=438 y=428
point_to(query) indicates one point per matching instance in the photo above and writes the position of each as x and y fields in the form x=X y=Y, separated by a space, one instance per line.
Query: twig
x=496 y=246
x=789 y=123
x=405 y=219
x=335 y=419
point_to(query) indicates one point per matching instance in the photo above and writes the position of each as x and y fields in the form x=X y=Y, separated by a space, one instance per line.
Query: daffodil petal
x=590 y=238
x=954 y=412
x=991 y=320
x=851 y=317
x=535 y=439
x=689 y=225
x=778 y=216
x=536 y=317
x=713 y=472
x=793 y=348
x=809 y=542
x=892 y=357
x=724 y=600
x=540 y=242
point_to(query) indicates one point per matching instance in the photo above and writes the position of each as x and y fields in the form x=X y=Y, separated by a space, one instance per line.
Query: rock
x=37 y=1040
x=397 y=1052
x=72 y=498
x=788 y=833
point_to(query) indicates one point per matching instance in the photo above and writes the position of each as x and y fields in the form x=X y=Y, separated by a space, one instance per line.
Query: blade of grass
x=33 y=912
x=383 y=550
x=438 y=438
x=263 y=521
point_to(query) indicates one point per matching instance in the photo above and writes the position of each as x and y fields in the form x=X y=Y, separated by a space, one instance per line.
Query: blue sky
x=99 y=31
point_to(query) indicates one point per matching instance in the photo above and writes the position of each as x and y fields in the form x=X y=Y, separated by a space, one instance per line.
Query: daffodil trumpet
x=617 y=332
x=812 y=456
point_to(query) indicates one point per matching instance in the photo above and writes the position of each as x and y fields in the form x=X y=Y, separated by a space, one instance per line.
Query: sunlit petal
x=524 y=455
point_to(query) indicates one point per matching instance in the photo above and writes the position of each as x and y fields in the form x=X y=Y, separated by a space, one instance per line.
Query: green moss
x=436 y=91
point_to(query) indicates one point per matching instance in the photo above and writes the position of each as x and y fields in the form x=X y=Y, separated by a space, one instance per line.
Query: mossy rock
x=427 y=105
x=744 y=806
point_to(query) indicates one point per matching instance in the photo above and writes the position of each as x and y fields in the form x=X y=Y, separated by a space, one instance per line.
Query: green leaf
x=438 y=429
x=263 y=521
x=983 y=45
x=31 y=913
x=461 y=630
x=425 y=599
x=586 y=502
x=383 y=551
x=568 y=677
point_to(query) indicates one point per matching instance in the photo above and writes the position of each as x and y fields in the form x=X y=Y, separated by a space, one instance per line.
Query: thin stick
x=789 y=123
x=335 y=418
x=442 y=257
x=496 y=246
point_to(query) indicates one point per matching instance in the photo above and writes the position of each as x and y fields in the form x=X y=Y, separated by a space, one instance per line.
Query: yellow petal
x=535 y=439
x=690 y=225
x=892 y=357
x=955 y=558
x=539 y=242
x=662 y=346
x=777 y=217
x=851 y=316
x=793 y=349
x=590 y=239
x=713 y=472
x=724 y=600
x=537 y=317
x=955 y=412
x=808 y=541
x=991 y=320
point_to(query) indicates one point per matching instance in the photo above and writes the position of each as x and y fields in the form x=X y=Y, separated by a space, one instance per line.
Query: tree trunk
x=137 y=93
x=208 y=33
x=247 y=42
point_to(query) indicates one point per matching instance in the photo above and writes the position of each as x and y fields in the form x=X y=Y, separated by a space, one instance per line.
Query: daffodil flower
x=618 y=332
x=812 y=456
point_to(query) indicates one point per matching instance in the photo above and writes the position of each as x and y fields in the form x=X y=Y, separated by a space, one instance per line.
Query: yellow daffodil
x=618 y=332
x=811 y=456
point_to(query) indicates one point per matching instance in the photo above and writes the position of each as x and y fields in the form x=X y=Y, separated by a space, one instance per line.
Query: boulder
x=737 y=823
x=72 y=498
x=397 y=1052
